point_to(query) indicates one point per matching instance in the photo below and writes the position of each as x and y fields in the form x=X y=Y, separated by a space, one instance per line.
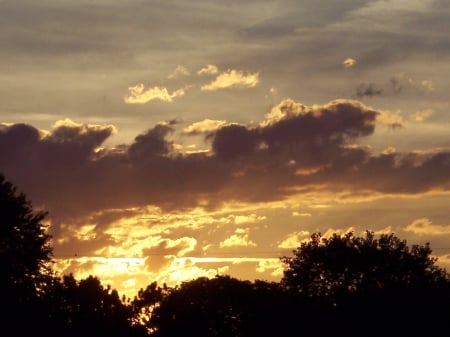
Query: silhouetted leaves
x=380 y=283
x=86 y=308
x=25 y=256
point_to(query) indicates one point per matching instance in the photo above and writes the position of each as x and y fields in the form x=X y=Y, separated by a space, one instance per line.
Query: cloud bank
x=296 y=147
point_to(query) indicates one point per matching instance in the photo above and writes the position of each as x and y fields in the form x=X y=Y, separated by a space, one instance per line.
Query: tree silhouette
x=34 y=300
x=87 y=308
x=325 y=267
x=25 y=259
x=146 y=302
x=371 y=280
x=225 y=306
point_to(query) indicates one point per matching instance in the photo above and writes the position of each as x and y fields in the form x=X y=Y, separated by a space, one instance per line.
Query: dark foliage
x=25 y=257
x=34 y=301
x=224 y=306
x=86 y=308
x=377 y=286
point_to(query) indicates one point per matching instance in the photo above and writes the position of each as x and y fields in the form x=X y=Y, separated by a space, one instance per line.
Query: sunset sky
x=175 y=139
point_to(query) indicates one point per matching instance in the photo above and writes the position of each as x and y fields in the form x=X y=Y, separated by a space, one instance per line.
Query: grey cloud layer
x=302 y=147
x=107 y=33
x=74 y=58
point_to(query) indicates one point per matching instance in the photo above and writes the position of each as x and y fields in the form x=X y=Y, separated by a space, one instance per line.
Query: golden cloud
x=392 y=119
x=204 y=126
x=139 y=95
x=294 y=240
x=232 y=78
x=422 y=115
x=252 y=218
x=348 y=62
x=179 y=71
x=239 y=239
x=209 y=69
x=425 y=226
x=82 y=128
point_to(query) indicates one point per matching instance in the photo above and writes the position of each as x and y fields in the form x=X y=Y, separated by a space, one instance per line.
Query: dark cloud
x=300 y=147
x=17 y=140
x=395 y=85
x=317 y=133
x=151 y=144
x=233 y=141
x=368 y=89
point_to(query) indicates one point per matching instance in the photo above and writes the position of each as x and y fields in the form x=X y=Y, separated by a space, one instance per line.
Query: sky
x=169 y=140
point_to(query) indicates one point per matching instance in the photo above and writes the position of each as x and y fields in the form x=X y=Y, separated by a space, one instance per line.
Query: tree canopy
x=25 y=250
x=35 y=301
x=25 y=258
x=348 y=263
x=381 y=283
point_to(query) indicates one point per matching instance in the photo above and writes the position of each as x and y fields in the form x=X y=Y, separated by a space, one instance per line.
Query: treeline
x=343 y=285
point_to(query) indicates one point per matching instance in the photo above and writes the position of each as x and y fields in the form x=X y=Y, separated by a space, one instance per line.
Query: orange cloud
x=425 y=226
x=239 y=239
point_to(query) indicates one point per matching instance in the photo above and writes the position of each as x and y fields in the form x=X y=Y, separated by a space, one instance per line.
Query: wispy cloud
x=425 y=226
x=293 y=240
x=392 y=119
x=204 y=126
x=232 y=79
x=139 y=95
x=422 y=115
x=179 y=71
x=209 y=69
x=348 y=62
x=368 y=89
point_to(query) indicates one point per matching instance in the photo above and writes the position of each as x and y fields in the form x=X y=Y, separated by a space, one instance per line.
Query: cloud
x=422 y=115
x=391 y=119
x=293 y=240
x=348 y=62
x=424 y=226
x=239 y=239
x=232 y=79
x=275 y=265
x=368 y=89
x=301 y=214
x=179 y=71
x=401 y=81
x=178 y=247
x=153 y=143
x=252 y=218
x=397 y=84
x=232 y=141
x=422 y=85
x=139 y=95
x=246 y=163
x=204 y=126
x=209 y=69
